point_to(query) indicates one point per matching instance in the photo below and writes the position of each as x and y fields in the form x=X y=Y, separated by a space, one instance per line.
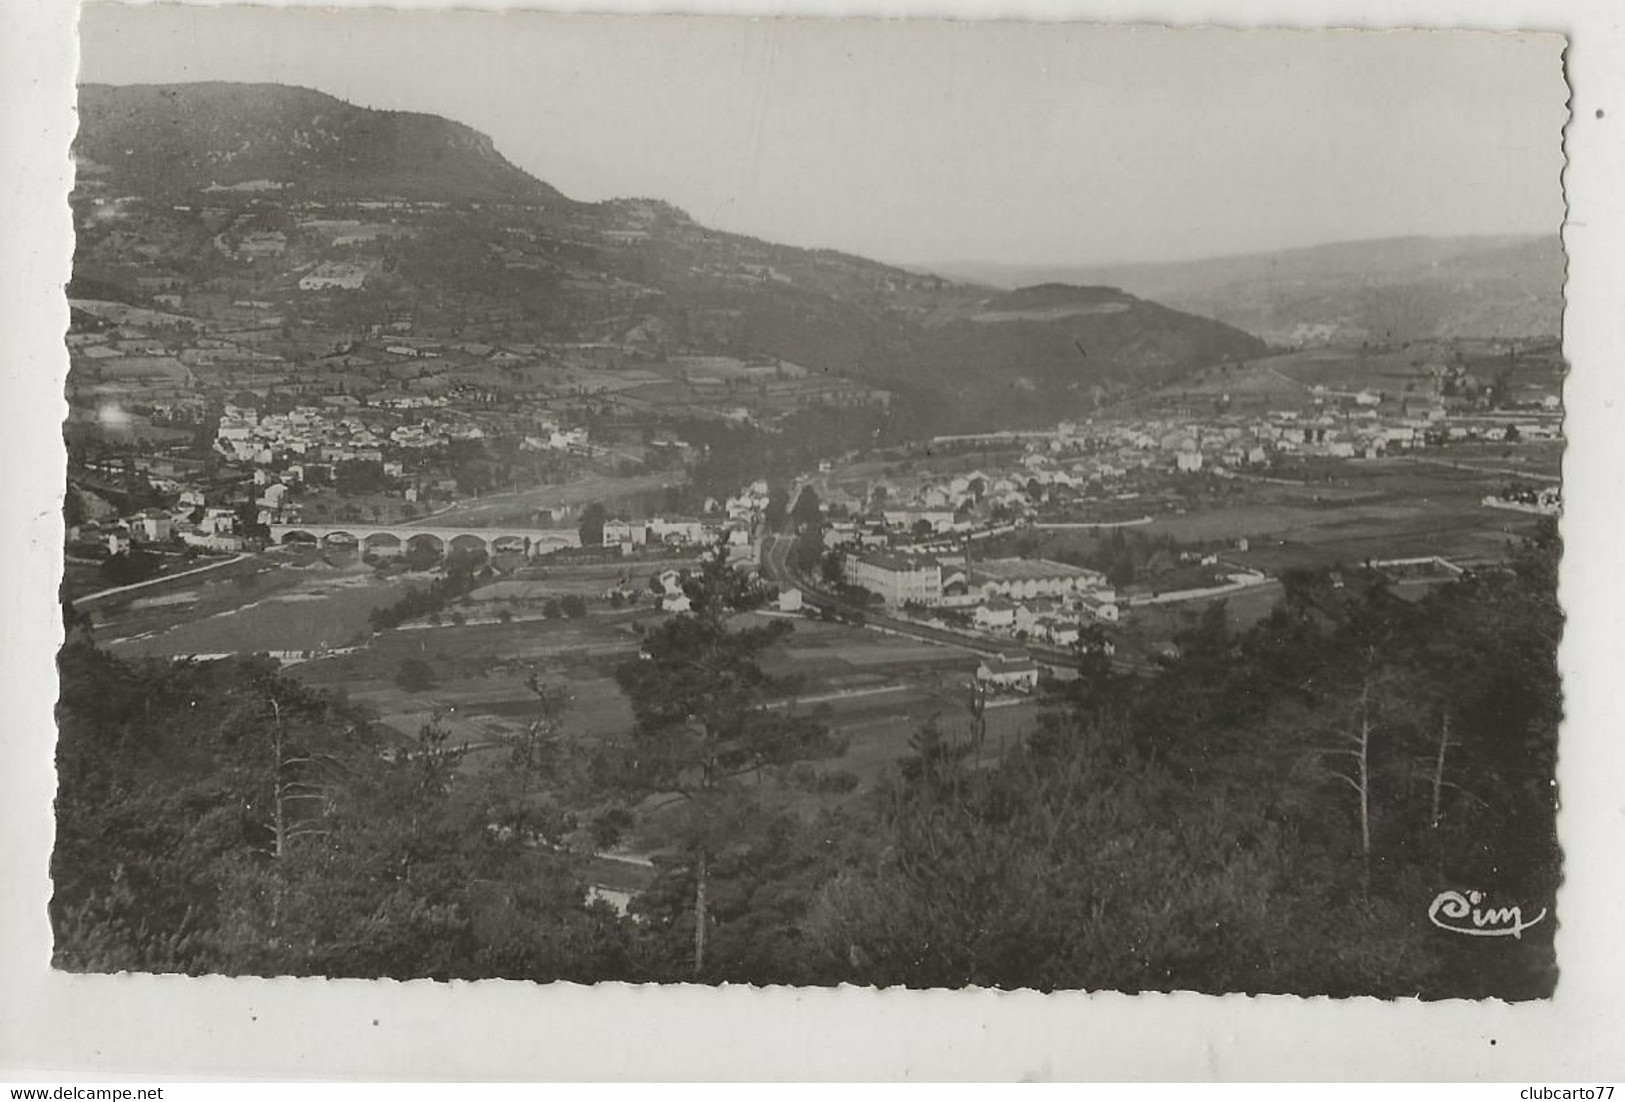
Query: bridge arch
x=299 y=535
x=383 y=542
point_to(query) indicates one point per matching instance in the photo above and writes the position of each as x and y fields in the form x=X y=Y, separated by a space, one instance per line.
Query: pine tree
x=702 y=740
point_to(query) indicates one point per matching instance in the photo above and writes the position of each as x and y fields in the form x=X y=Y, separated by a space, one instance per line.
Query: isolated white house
x=1019 y=674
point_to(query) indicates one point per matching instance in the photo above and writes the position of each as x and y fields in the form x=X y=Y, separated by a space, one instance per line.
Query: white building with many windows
x=899 y=579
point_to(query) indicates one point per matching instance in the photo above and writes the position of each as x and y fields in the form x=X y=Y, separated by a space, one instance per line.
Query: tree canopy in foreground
x=1273 y=812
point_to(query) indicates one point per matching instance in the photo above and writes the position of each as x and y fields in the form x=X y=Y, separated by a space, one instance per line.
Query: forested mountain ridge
x=475 y=237
x=168 y=140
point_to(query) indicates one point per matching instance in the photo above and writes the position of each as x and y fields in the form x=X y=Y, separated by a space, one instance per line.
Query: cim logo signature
x=1462 y=914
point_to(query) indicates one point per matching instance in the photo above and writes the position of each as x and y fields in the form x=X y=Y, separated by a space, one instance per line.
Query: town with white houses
x=938 y=539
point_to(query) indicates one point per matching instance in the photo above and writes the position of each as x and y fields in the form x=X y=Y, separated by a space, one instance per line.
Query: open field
x=83 y=581
x=1391 y=508
x=873 y=690
x=1337 y=512
x=1541 y=459
x=538 y=583
x=480 y=674
x=600 y=380
x=283 y=601
x=1288 y=380
x=507 y=508
x=728 y=367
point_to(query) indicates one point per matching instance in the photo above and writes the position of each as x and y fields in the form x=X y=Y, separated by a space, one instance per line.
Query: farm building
x=1019 y=674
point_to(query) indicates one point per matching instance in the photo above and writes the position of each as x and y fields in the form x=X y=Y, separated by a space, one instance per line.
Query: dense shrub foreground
x=1273 y=812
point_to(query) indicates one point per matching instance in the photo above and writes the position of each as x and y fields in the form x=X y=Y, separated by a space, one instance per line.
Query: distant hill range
x=1395 y=289
x=634 y=272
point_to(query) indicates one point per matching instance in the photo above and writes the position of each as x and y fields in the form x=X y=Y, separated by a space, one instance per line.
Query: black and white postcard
x=811 y=502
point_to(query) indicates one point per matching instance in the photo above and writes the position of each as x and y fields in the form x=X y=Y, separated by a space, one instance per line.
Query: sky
x=933 y=142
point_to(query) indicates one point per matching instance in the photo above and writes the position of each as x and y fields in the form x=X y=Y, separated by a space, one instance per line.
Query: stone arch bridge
x=380 y=537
